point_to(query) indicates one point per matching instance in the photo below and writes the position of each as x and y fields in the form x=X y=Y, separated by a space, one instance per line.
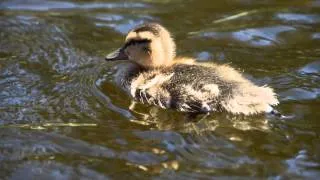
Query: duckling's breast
x=125 y=74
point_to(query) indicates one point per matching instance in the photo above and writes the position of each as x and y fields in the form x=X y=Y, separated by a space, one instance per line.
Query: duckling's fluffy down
x=201 y=88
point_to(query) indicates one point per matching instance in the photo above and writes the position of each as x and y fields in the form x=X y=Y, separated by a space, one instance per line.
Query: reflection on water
x=62 y=117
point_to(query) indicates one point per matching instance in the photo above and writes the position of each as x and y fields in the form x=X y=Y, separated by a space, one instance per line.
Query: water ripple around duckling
x=61 y=115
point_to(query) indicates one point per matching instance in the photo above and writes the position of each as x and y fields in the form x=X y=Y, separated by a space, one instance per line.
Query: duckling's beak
x=118 y=54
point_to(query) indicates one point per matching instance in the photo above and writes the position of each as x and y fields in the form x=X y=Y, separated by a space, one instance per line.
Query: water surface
x=62 y=117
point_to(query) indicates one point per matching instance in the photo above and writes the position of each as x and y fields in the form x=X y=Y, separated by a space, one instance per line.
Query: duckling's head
x=149 y=45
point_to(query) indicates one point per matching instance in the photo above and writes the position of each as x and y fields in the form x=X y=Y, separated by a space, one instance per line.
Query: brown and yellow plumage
x=153 y=75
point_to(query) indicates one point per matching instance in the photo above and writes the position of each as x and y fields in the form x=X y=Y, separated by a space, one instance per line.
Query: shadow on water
x=62 y=117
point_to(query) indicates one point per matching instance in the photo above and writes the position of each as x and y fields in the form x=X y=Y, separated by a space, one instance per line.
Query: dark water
x=61 y=116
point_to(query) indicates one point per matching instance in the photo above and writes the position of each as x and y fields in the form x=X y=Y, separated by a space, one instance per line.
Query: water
x=62 y=117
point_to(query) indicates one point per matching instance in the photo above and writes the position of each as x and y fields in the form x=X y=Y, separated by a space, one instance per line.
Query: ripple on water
x=204 y=150
x=37 y=144
x=109 y=17
x=262 y=36
x=311 y=68
x=38 y=5
x=266 y=36
x=302 y=166
x=53 y=170
x=299 y=18
x=204 y=56
x=18 y=92
x=44 y=74
x=143 y=158
x=40 y=43
x=302 y=84
x=300 y=94
x=316 y=36
x=120 y=23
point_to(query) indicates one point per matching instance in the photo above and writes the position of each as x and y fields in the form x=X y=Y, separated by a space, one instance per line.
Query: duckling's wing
x=196 y=88
x=185 y=87
x=148 y=88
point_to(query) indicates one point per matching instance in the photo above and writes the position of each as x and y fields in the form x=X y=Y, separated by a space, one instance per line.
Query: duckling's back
x=201 y=88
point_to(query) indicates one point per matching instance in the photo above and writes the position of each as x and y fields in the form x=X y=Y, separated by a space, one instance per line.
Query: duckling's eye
x=147 y=49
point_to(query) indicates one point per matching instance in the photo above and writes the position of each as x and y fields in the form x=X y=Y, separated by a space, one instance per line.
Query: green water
x=62 y=117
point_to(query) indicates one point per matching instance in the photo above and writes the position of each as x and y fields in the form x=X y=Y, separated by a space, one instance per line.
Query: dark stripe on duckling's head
x=136 y=42
x=119 y=54
x=149 y=27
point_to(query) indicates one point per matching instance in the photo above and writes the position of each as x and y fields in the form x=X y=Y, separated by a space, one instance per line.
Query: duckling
x=154 y=75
